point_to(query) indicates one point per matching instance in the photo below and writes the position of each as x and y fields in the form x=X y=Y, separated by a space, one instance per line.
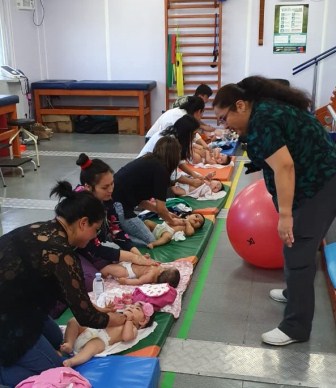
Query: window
x=5 y=56
x=2 y=54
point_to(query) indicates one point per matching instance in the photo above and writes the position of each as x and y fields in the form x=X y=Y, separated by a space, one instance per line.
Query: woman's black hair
x=203 y=90
x=91 y=170
x=74 y=205
x=168 y=151
x=193 y=104
x=256 y=88
x=184 y=131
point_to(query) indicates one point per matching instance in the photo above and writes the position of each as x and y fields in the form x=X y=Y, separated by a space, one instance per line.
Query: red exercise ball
x=252 y=227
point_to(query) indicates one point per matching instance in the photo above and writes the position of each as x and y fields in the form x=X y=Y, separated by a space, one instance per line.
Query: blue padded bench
x=121 y=372
x=92 y=88
x=6 y=100
x=330 y=257
x=329 y=254
x=8 y=109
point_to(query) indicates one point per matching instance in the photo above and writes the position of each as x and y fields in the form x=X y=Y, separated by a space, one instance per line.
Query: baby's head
x=196 y=220
x=216 y=185
x=171 y=276
x=142 y=313
x=223 y=159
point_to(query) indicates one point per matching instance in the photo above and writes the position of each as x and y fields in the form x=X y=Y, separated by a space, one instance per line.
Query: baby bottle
x=98 y=285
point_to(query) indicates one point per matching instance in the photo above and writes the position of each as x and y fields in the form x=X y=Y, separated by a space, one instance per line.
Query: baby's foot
x=68 y=363
x=150 y=246
x=66 y=348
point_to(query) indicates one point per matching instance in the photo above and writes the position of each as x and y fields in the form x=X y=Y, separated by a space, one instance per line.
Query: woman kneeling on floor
x=141 y=180
x=38 y=266
x=97 y=176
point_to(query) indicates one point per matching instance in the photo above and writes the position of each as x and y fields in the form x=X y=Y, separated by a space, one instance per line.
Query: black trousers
x=311 y=223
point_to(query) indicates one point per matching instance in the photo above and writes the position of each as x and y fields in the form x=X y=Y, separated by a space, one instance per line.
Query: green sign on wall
x=290 y=29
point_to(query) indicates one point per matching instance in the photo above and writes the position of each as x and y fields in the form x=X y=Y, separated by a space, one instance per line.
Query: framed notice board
x=290 y=29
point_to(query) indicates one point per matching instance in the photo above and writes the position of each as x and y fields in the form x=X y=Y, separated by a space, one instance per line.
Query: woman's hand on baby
x=151 y=262
x=197 y=182
x=147 y=260
x=176 y=222
x=207 y=181
x=109 y=308
x=116 y=319
x=121 y=281
x=154 y=262
x=210 y=175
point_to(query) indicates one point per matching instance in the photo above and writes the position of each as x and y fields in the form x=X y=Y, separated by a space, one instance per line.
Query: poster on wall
x=290 y=29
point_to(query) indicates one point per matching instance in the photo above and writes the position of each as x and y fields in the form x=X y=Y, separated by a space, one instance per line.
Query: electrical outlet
x=28 y=5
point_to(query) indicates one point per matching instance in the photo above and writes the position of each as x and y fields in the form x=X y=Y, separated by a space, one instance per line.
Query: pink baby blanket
x=115 y=291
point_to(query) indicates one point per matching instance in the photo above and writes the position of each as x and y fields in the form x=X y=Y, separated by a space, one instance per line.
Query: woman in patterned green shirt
x=298 y=161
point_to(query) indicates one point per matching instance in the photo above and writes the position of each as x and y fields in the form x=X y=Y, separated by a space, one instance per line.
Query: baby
x=181 y=189
x=165 y=233
x=134 y=275
x=218 y=158
x=207 y=156
x=86 y=342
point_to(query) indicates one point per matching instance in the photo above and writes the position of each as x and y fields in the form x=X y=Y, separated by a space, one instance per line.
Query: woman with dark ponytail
x=38 y=266
x=193 y=106
x=184 y=130
x=97 y=177
x=141 y=181
x=298 y=161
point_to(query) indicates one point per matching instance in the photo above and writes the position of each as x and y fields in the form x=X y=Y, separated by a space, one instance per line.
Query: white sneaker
x=277 y=294
x=277 y=337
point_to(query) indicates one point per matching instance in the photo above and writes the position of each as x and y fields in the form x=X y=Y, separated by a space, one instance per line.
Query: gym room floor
x=216 y=341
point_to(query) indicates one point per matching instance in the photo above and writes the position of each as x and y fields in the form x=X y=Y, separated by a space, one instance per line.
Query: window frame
x=6 y=50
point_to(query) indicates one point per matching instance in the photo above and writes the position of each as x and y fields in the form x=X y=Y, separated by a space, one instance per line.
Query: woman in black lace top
x=38 y=266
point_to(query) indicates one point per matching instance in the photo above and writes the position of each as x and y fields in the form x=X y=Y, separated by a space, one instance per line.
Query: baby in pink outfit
x=86 y=342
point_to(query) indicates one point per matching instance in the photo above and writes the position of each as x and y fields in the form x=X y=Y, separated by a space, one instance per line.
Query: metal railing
x=314 y=61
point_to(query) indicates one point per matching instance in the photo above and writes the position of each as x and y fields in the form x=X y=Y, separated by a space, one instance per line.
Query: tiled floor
x=227 y=301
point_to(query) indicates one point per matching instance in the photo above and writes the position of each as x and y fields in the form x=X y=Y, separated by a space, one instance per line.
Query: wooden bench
x=125 y=89
x=8 y=109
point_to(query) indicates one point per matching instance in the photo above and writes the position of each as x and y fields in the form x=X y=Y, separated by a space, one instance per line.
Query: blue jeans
x=134 y=227
x=40 y=357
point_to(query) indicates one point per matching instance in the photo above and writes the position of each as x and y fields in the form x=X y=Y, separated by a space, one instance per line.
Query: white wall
x=124 y=39
x=137 y=45
x=327 y=68
x=242 y=56
x=75 y=41
x=26 y=55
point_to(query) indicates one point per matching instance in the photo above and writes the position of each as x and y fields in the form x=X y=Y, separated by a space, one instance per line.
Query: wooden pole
x=261 y=22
